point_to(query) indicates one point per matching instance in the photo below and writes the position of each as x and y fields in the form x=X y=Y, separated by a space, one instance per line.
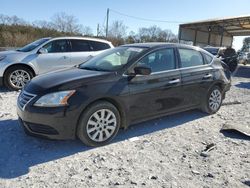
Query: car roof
x=162 y=44
x=82 y=38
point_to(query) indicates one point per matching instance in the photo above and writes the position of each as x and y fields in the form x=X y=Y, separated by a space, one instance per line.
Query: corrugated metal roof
x=235 y=26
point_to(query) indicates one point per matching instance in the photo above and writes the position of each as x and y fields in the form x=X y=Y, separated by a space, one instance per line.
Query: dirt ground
x=166 y=152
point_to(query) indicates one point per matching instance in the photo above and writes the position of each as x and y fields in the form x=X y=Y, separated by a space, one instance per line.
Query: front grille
x=24 y=98
x=43 y=129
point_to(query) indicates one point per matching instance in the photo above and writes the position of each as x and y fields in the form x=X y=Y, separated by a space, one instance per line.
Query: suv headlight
x=55 y=99
x=2 y=57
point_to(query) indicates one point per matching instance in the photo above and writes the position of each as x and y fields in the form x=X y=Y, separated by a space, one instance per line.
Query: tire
x=96 y=130
x=213 y=100
x=12 y=75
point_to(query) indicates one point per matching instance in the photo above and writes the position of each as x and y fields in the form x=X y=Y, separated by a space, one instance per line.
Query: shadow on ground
x=19 y=152
x=242 y=71
x=243 y=85
x=235 y=134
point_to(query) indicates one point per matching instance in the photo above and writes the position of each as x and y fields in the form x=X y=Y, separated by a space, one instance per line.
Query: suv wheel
x=99 y=124
x=213 y=100
x=16 y=77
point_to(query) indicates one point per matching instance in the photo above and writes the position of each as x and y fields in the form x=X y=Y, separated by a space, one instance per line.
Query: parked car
x=244 y=57
x=228 y=55
x=122 y=86
x=45 y=55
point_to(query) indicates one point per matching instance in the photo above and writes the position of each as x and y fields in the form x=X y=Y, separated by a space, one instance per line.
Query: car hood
x=64 y=80
x=11 y=52
x=13 y=56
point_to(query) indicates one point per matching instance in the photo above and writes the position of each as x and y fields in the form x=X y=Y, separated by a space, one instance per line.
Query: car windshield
x=113 y=59
x=32 y=45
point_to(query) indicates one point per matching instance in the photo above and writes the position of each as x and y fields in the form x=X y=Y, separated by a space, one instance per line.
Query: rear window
x=97 y=46
x=80 y=46
x=190 y=58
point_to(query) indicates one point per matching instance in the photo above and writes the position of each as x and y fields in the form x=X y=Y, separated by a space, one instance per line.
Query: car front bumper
x=53 y=123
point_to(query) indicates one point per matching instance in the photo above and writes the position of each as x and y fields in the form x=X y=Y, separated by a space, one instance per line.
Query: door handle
x=207 y=76
x=65 y=57
x=174 y=81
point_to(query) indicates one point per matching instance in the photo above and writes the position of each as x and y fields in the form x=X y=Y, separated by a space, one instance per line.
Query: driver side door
x=157 y=93
x=57 y=56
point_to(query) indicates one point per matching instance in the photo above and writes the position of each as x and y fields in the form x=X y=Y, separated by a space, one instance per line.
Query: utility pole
x=107 y=23
x=98 y=30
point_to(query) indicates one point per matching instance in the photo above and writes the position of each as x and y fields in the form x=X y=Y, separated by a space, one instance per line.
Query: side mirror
x=142 y=70
x=42 y=51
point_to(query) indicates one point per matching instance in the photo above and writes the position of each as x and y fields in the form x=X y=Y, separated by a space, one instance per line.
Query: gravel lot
x=165 y=152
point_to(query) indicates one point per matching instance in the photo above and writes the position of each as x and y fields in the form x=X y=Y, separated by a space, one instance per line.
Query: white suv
x=46 y=55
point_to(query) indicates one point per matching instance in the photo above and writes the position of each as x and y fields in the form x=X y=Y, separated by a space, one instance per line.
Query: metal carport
x=214 y=32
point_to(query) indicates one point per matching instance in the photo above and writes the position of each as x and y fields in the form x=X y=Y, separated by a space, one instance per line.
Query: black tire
x=87 y=116
x=206 y=106
x=9 y=71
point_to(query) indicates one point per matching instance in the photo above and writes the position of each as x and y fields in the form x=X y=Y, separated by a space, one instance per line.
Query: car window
x=160 y=60
x=97 y=46
x=80 y=46
x=208 y=59
x=190 y=58
x=57 y=46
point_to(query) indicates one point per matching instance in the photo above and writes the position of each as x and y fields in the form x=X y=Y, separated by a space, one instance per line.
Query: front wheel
x=99 y=124
x=213 y=100
x=16 y=77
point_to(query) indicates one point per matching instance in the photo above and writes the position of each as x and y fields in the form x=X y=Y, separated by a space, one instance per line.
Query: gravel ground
x=166 y=152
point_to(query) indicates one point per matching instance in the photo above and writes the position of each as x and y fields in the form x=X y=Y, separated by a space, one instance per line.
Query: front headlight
x=55 y=99
x=2 y=57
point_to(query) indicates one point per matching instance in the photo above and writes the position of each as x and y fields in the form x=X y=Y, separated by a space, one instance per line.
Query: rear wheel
x=213 y=100
x=16 y=77
x=99 y=124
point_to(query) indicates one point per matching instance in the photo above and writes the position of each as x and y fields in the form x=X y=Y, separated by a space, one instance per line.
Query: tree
x=117 y=30
x=117 y=33
x=87 y=31
x=156 y=34
x=66 y=23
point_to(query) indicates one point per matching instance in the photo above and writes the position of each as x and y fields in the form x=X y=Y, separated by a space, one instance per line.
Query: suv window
x=97 y=46
x=160 y=60
x=57 y=46
x=80 y=46
x=190 y=58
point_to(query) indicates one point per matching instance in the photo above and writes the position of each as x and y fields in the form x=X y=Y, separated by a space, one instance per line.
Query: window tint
x=160 y=60
x=207 y=58
x=190 y=58
x=57 y=46
x=80 y=46
x=96 y=46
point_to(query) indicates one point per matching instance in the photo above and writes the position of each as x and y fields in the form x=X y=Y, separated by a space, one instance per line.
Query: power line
x=144 y=19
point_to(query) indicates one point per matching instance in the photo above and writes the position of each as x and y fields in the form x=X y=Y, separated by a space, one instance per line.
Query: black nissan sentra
x=119 y=87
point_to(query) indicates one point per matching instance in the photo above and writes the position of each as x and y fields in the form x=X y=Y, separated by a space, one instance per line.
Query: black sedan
x=121 y=86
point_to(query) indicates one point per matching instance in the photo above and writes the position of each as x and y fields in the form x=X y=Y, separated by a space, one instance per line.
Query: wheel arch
x=116 y=103
x=20 y=65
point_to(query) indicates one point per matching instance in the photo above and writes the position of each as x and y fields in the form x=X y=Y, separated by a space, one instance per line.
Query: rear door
x=196 y=75
x=57 y=56
x=159 y=92
x=81 y=51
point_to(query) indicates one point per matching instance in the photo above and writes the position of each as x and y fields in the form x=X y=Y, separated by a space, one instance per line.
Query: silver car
x=46 y=55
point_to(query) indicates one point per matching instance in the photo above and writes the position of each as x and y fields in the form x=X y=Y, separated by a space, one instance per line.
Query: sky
x=93 y=12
